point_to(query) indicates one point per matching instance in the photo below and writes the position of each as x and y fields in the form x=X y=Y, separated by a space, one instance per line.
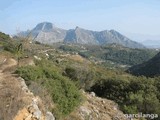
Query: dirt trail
x=10 y=89
x=7 y=63
x=17 y=102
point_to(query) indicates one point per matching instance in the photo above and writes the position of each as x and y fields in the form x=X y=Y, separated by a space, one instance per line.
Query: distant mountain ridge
x=47 y=33
x=150 y=68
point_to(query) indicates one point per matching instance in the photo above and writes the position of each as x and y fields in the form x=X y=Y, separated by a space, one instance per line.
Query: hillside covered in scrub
x=42 y=88
x=65 y=84
x=149 y=68
x=112 y=53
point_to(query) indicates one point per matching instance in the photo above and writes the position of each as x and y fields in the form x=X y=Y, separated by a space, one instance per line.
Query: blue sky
x=134 y=18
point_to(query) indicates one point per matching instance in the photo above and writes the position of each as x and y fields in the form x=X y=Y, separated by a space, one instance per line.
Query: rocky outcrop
x=33 y=112
x=17 y=102
x=20 y=103
x=96 y=108
x=45 y=32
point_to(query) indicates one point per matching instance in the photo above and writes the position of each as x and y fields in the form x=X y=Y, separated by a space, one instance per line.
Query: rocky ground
x=17 y=102
x=96 y=108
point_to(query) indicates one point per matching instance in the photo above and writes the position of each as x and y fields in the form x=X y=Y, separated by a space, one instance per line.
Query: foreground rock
x=33 y=112
x=96 y=108
x=17 y=102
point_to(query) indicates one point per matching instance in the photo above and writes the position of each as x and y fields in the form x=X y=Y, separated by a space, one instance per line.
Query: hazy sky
x=130 y=17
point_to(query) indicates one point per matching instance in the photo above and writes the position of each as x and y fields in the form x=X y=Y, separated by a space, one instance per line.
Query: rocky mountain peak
x=117 y=34
x=79 y=29
x=113 y=31
x=76 y=28
x=44 y=26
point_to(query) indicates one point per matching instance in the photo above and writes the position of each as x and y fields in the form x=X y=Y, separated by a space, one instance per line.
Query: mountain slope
x=58 y=74
x=81 y=36
x=47 y=33
x=122 y=40
x=112 y=52
x=150 y=68
x=96 y=108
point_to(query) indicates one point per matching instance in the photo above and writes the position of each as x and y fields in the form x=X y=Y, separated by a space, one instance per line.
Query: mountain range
x=47 y=33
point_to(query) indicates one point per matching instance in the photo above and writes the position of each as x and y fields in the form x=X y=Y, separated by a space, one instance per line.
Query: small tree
x=19 y=52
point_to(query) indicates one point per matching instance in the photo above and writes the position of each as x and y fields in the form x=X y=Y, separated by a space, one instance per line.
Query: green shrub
x=4 y=36
x=83 y=76
x=63 y=91
x=134 y=94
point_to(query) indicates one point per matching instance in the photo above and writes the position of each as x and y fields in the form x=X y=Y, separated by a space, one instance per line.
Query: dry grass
x=76 y=58
x=26 y=62
x=10 y=97
x=42 y=92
